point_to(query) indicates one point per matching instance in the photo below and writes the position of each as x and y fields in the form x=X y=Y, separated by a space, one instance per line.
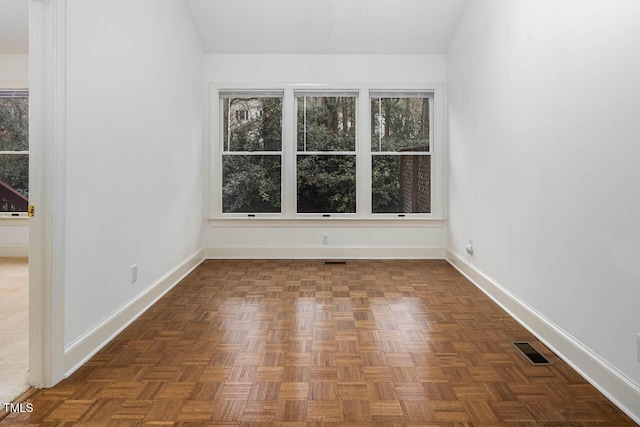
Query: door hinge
x=31 y=211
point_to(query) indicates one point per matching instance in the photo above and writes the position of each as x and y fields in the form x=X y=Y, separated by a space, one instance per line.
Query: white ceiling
x=14 y=27
x=326 y=26
x=294 y=26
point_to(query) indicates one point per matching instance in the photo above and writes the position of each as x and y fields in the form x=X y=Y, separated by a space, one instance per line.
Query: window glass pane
x=14 y=124
x=252 y=124
x=251 y=184
x=399 y=124
x=401 y=184
x=326 y=184
x=326 y=123
x=14 y=182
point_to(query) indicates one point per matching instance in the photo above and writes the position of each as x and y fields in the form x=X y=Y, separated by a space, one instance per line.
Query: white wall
x=544 y=107
x=14 y=71
x=325 y=69
x=14 y=74
x=134 y=151
x=14 y=237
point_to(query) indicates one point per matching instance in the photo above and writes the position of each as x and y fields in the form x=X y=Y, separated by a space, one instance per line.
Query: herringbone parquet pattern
x=299 y=343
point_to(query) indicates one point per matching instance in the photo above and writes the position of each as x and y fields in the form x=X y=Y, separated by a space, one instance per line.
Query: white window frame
x=363 y=216
x=221 y=150
x=9 y=214
x=326 y=93
x=428 y=153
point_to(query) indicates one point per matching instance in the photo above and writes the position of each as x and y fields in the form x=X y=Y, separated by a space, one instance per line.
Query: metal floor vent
x=335 y=262
x=531 y=354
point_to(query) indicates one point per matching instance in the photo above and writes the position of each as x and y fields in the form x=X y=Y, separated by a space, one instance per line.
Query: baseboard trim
x=617 y=387
x=79 y=351
x=14 y=251
x=321 y=252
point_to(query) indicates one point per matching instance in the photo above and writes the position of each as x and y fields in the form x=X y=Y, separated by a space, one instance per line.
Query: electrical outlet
x=325 y=238
x=134 y=273
x=470 y=246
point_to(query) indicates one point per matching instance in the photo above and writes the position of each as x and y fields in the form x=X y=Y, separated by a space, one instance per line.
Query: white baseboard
x=79 y=351
x=618 y=388
x=14 y=251
x=321 y=252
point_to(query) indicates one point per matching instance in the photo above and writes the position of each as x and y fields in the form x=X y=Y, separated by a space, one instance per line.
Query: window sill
x=327 y=222
x=6 y=220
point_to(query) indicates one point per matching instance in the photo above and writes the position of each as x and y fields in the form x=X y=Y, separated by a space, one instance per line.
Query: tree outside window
x=252 y=153
x=401 y=153
x=326 y=153
x=14 y=151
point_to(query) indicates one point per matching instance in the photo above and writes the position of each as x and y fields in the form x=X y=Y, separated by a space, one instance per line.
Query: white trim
x=47 y=186
x=14 y=221
x=617 y=387
x=338 y=86
x=437 y=111
x=322 y=252
x=252 y=153
x=401 y=153
x=80 y=350
x=326 y=153
x=333 y=222
x=216 y=145
x=14 y=251
x=363 y=147
x=37 y=354
x=288 y=175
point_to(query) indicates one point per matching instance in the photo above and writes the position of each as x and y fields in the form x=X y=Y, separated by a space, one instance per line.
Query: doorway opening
x=14 y=266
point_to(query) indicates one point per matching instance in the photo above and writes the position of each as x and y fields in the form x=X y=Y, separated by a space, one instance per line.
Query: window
x=326 y=152
x=242 y=115
x=252 y=152
x=401 y=152
x=14 y=151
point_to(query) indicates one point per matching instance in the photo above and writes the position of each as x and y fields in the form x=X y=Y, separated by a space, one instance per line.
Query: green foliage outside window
x=252 y=183
x=397 y=125
x=326 y=183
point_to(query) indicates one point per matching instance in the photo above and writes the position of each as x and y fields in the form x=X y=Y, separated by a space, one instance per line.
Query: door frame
x=47 y=184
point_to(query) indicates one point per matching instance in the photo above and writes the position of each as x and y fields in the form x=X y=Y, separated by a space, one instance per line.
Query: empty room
x=333 y=212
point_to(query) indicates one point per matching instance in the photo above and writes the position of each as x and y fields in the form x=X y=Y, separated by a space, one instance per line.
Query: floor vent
x=335 y=262
x=531 y=354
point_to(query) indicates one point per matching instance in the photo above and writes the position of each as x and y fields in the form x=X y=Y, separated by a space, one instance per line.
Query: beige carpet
x=14 y=328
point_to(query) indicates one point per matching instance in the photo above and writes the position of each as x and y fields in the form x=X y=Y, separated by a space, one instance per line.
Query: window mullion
x=289 y=115
x=228 y=124
x=363 y=156
x=216 y=130
x=304 y=132
x=380 y=126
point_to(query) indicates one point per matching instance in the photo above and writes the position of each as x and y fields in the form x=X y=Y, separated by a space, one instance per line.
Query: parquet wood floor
x=300 y=343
